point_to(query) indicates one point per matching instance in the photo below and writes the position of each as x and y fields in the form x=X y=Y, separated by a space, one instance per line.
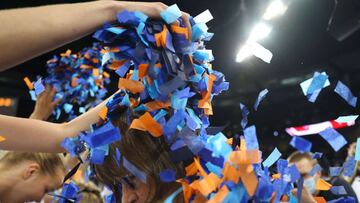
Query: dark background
x=301 y=44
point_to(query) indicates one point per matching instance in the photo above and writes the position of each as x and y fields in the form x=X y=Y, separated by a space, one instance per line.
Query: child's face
x=38 y=184
x=134 y=191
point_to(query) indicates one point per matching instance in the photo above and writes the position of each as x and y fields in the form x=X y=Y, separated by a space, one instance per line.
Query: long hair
x=147 y=153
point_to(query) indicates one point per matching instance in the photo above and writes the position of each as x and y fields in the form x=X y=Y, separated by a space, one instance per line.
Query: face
x=35 y=185
x=134 y=190
x=304 y=166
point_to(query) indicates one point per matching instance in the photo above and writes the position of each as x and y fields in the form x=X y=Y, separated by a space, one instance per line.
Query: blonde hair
x=49 y=163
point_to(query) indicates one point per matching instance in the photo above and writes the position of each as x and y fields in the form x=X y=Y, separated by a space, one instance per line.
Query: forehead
x=304 y=165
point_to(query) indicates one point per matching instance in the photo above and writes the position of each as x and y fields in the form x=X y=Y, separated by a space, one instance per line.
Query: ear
x=30 y=170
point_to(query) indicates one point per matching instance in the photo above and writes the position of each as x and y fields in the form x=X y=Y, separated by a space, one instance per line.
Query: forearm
x=23 y=134
x=34 y=31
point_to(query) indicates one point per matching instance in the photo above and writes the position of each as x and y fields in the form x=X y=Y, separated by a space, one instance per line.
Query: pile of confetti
x=165 y=75
x=78 y=78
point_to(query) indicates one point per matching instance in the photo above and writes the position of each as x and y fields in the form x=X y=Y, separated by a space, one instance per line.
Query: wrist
x=35 y=116
x=111 y=8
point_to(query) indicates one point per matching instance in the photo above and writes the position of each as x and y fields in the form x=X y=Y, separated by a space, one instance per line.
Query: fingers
x=186 y=19
x=56 y=102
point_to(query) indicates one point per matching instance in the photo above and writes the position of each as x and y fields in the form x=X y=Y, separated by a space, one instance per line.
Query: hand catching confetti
x=45 y=105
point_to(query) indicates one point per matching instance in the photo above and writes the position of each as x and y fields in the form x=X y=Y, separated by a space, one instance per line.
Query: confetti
x=357 y=150
x=261 y=97
x=301 y=144
x=272 y=158
x=2 y=138
x=342 y=90
x=134 y=170
x=312 y=87
x=167 y=175
x=335 y=171
x=335 y=139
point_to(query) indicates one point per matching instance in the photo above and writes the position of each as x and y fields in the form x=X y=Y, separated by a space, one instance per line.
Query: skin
x=45 y=105
x=136 y=192
x=26 y=182
x=39 y=30
x=304 y=167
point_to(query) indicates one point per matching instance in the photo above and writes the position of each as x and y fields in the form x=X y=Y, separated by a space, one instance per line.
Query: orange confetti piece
x=116 y=64
x=155 y=105
x=2 y=138
x=199 y=167
x=245 y=157
x=106 y=74
x=7 y=102
x=231 y=173
x=205 y=103
x=95 y=72
x=180 y=30
x=84 y=66
x=74 y=82
x=322 y=185
x=137 y=124
x=102 y=114
x=67 y=53
x=191 y=169
x=153 y=127
x=276 y=176
x=28 y=83
x=248 y=178
x=142 y=70
x=242 y=144
x=161 y=37
x=320 y=199
x=131 y=85
x=206 y=185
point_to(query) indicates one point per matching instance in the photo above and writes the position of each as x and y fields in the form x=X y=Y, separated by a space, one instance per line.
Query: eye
x=129 y=181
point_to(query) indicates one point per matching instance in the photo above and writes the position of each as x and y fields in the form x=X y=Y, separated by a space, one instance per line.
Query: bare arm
x=23 y=134
x=28 y=32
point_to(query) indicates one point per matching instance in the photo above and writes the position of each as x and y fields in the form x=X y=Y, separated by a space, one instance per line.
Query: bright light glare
x=276 y=8
x=256 y=49
x=260 y=31
x=244 y=52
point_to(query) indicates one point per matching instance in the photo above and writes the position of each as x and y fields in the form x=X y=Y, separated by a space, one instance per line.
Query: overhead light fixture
x=275 y=8
x=256 y=49
x=260 y=31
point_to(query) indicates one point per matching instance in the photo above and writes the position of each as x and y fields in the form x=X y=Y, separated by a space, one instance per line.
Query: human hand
x=44 y=104
x=351 y=149
x=306 y=197
x=152 y=10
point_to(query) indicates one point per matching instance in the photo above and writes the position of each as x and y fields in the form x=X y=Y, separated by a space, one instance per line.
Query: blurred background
x=311 y=35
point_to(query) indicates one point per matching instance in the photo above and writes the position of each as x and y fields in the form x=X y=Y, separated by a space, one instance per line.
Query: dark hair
x=147 y=153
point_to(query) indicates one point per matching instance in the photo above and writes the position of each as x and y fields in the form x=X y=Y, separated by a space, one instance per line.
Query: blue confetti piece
x=82 y=110
x=316 y=155
x=198 y=31
x=261 y=97
x=244 y=112
x=301 y=144
x=342 y=90
x=272 y=158
x=294 y=173
x=171 y=198
x=171 y=14
x=343 y=200
x=68 y=107
x=315 y=169
x=104 y=135
x=134 y=170
x=69 y=192
x=116 y=30
x=33 y=95
x=219 y=146
x=214 y=168
x=118 y=156
x=313 y=86
x=335 y=139
x=39 y=87
x=357 y=152
x=141 y=16
x=250 y=138
x=335 y=171
x=167 y=175
x=349 y=167
x=338 y=190
x=97 y=156
x=122 y=70
x=127 y=18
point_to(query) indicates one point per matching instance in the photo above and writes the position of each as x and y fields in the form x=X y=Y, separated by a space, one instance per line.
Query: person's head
x=29 y=176
x=304 y=163
x=148 y=154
